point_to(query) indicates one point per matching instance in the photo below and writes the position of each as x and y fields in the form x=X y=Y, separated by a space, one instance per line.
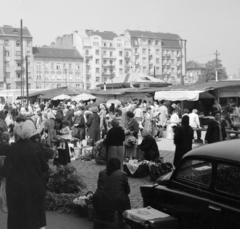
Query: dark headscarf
x=113 y=165
x=185 y=120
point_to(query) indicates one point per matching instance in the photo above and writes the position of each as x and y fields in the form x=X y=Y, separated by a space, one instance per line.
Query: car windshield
x=196 y=171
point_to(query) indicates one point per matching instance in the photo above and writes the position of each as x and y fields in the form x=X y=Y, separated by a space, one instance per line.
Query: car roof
x=227 y=150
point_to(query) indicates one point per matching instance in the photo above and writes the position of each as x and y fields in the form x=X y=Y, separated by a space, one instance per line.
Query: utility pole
x=27 y=78
x=21 y=43
x=216 y=70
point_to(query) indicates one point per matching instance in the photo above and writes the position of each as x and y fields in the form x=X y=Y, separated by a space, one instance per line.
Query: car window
x=196 y=171
x=228 y=179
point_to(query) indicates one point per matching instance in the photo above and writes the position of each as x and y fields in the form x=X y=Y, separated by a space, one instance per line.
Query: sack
x=3 y=197
x=75 y=132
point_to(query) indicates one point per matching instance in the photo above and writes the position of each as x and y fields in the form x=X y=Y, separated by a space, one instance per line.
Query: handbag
x=3 y=196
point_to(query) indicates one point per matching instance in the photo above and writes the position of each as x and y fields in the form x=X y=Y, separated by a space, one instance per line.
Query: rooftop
x=168 y=39
x=193 y=65
x=12 y=31
x=105 y=35
x=56 y=53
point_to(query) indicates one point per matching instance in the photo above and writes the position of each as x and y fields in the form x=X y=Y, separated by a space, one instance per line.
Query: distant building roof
x=193 y=65
x=12 y=31
x=56 y=53
x=105 y=35
x=168 y=39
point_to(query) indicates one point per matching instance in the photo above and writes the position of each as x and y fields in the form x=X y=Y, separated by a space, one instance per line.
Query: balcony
x=7 y=58
x=127 y=56
x=137 y=54
x=150 y=64
x=7 y=69
x=150 y=56
x=178 y=64
x=108 y=74
x=17 y=57
x=108 y=57
x=127 y=66
x=18 y=79
x=88 y=73
x=18 y=68
x=88 y=55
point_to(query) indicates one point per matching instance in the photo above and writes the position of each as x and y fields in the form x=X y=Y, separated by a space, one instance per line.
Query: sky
x=207 y=25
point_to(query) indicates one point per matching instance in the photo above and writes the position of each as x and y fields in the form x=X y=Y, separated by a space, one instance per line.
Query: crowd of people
x=28 y=134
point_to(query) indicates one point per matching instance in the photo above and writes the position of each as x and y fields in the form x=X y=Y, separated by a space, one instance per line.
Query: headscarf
x=113 y=165
x=185 y=120
x=50 y=115
x=25 y=130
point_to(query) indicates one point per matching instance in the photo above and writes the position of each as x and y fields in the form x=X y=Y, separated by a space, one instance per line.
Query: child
x=65 y=133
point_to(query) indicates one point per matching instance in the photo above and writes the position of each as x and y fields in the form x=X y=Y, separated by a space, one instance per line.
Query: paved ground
x=90 y=171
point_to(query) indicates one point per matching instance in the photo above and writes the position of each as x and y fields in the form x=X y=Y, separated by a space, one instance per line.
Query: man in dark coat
x=149 y=146
x=182 y=139
x=24 y=167
x=216 y=129
x=93 y=124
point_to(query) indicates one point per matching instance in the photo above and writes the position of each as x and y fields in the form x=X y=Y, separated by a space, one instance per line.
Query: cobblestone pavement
x=90 y=170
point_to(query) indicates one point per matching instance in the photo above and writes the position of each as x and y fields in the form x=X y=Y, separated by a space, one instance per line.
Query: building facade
x=158 y=54
x=105 y=54
x=12 y=75
x=56 y=67
x=194 y=71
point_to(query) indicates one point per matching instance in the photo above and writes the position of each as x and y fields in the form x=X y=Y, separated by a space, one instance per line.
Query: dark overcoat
x=213 y=132
x=150 y=148
x=24 y=167
x=183 y=140
x=112 y=192
x=93 y=124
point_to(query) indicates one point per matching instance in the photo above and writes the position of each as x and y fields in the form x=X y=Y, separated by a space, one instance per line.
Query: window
x=157 y=69
x=29 y=43
x=157 y=51
x=172 y=70
x=39 y=86
x=120 y=53
x=97 y=79
x=59 y=77
x=120 y=71
x=172 y=61
x=105 y=70
x=58 y=85
x=157 y=60
x=97 y=61
x=39 y=77
x=144 y=60
x=18 y=75
x=111 y=53
x=156 y=42
x=110 y=44
x=77 y=85
x=95 y=43
x=77 y=66
x=6 y=42
x=97 y=52
x=136 y=50
x=46 y=76
x=39 y=65
x=69 y=66
x=144 y=41
x=172 y=52
x=6 y=53
x=52 y=66
x=111 y=62
x=86 y=52
x=18 y=53
x=8 y=86
x=87 y=79
x=227 y=180
x=144 y=69
x=53 y=77
x=7 y=63
x=46 y=65
x=58 y=66
x=104 y=53
x=149 y=42
x=97 y=70
x=144 y=51
x=120 y=62
x=196 y=171
x=119 y=45
x=18 y=43
x=127 y=54
x=29 y=75
x=104 y=44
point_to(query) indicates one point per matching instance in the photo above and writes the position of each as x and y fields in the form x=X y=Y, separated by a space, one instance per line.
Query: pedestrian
x=3 y=125
x=114 y=141
x=195 y=123
x=24 y=167
x=216 y=129
x=182 y=139
x=79 y=124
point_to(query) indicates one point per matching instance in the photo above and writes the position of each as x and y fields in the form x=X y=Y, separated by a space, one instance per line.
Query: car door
x=189 y=187
x=224 y=200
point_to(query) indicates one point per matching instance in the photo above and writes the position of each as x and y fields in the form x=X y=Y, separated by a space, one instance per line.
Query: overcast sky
x=207 y=25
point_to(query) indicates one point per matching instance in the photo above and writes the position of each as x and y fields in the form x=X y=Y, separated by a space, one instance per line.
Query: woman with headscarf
x=93 y=124
x=114 y=141
x=112 y=192
x=3 y=125
x=182 y=139
x=63 y=157
x=216 y=129
x=24 y=167
x=79 y=123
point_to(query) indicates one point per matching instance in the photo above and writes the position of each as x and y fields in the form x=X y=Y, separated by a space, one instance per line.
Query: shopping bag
x=3 y=197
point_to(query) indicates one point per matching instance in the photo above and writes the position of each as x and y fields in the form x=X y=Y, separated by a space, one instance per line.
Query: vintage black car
x=204 y=190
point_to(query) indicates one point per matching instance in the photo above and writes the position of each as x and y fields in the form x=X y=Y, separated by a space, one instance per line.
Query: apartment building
x=10 y=57
x=105 y=54
x=194 y=71
x=158 y=54
x=56 y=67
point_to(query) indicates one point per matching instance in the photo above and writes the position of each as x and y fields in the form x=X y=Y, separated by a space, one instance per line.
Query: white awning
x=177 y=95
